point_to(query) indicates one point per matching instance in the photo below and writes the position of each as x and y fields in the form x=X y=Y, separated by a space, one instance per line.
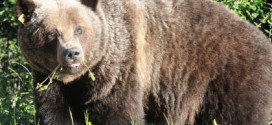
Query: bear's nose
x=71 y=55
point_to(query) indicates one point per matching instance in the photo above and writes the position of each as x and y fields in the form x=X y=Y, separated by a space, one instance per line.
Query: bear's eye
x=78 y=31
x=51 y=36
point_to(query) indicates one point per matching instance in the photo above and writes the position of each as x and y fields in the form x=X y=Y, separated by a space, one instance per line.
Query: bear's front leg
x=51 y=105
x=122 y=106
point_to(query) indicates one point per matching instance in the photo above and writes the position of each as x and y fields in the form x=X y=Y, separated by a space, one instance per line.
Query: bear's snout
x=70 y=56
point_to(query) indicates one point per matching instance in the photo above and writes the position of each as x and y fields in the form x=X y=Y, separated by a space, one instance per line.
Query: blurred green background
x=16 y=100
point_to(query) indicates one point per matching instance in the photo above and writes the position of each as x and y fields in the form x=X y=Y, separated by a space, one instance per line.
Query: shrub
x=16 y=100
x=258 y=12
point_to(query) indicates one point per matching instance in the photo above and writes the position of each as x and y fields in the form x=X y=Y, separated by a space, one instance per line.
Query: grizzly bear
x=120 y=62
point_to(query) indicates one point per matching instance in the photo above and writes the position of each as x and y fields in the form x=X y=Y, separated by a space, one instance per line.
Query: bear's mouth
x=73 y=65
x=70 y=68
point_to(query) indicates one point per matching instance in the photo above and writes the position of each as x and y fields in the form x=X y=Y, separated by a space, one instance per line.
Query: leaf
x=12 y=1
x=89 y=123
x=91 y=75
x=254 y=8
x=40 y=87
x=214 y=122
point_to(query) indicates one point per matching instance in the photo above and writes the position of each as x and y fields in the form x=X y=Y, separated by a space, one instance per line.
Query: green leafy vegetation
x=16 y=100
x=258 y=12
x=16 y=97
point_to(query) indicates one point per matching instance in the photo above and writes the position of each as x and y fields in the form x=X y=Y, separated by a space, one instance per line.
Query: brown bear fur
x=155 y=61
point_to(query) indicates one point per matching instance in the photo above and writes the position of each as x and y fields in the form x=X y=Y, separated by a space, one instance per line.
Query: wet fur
x=190 y=61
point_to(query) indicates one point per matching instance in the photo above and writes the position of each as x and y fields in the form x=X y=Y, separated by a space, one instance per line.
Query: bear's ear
x=90 y=3
x=25 y=7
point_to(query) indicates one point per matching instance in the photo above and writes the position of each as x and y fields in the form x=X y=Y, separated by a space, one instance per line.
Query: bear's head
x=68 y=34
